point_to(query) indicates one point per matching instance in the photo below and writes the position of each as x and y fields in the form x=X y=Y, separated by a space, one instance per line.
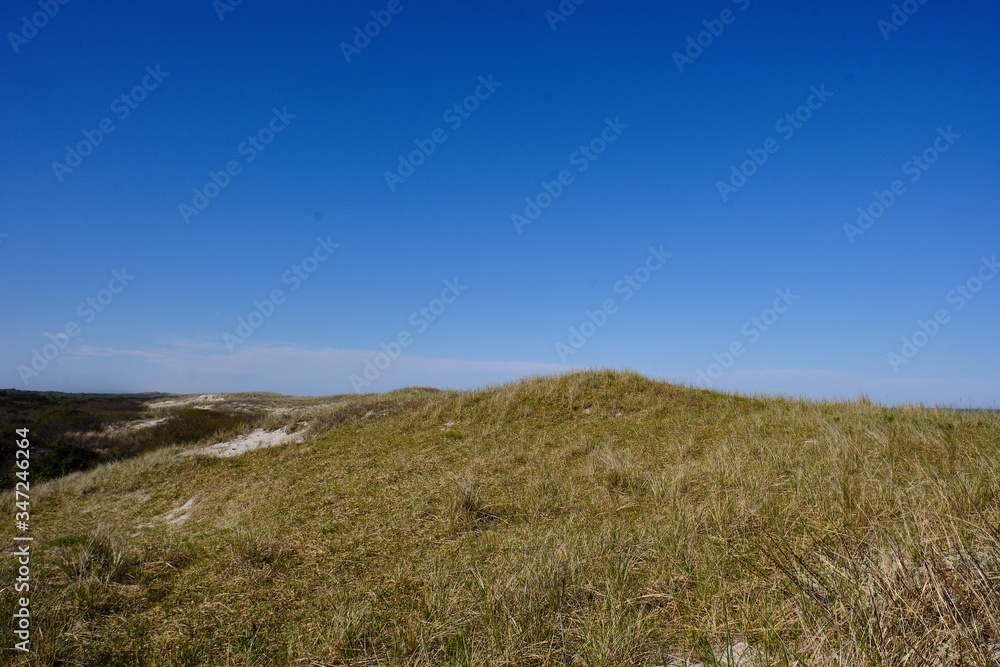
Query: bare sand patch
x=737 y=654
x=256 y=439
x=138 y=425
x=174 y=517
x=203 y=398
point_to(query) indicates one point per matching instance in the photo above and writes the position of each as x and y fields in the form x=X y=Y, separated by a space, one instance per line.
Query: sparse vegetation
x=595 y=518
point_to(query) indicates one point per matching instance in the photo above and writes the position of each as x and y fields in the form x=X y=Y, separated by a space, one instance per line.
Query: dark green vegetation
x=74 y=432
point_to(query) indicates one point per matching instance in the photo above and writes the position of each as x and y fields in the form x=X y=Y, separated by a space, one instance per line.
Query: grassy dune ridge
x=593 y=518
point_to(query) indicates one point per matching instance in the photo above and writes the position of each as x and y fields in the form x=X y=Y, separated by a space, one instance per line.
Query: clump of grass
x=255 y=547
x=102 y=556
x=617 y=470
x=469 y=501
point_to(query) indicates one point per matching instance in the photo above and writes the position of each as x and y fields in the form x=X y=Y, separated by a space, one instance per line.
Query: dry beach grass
x=594 y=518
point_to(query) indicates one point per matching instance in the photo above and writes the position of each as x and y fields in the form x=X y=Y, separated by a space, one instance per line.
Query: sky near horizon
x=316 y=199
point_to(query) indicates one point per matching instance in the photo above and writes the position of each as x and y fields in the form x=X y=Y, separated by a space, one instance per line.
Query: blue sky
x=641 y=138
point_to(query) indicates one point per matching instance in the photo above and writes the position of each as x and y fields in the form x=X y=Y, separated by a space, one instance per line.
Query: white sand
x=135 y=425
x=257 y=439
x=174 y=517
x=204 y=398
x=739 y=654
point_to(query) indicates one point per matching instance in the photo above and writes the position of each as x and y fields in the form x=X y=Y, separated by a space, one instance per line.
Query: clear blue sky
x=267 y=91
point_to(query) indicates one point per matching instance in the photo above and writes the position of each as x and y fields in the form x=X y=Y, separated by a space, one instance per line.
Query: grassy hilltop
x=594 y=518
